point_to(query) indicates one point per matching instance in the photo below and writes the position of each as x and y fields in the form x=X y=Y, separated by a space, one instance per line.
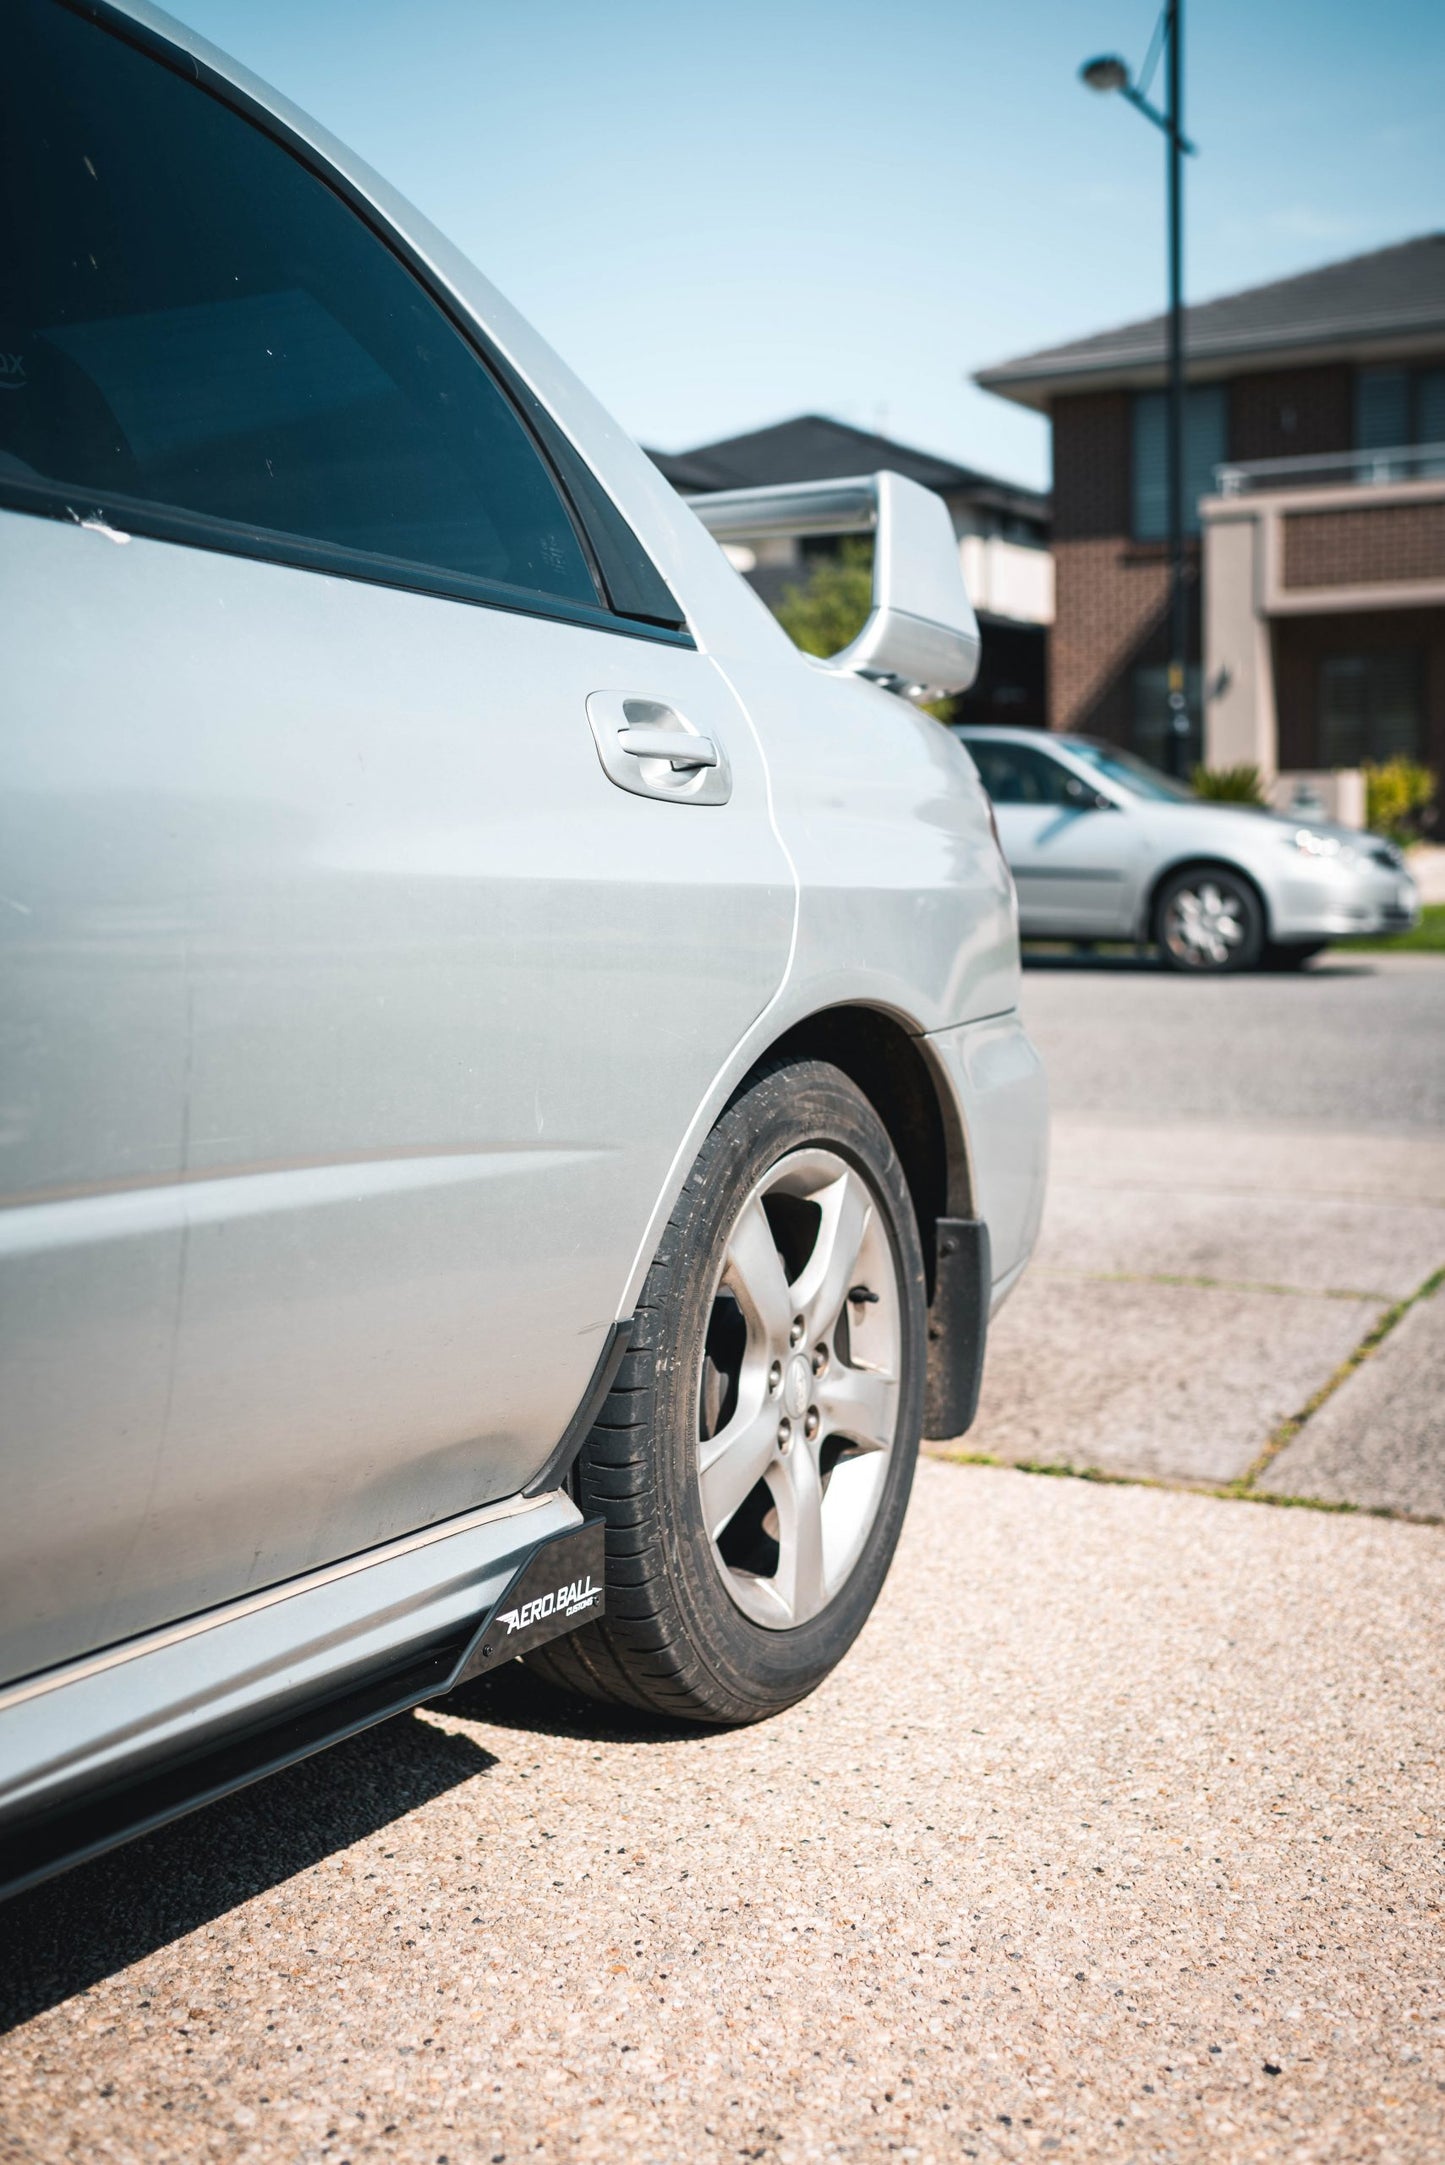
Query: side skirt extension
x=558 y=1586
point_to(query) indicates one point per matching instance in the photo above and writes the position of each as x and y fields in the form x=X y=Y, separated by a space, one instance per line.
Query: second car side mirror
x=1086 y=799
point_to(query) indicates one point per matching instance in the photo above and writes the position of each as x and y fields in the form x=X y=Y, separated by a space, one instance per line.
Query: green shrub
x=1229 y=785
x=1398 y=794
x=830 y=611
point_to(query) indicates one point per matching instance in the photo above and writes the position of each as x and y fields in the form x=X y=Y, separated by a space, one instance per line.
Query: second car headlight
x=1328 y=847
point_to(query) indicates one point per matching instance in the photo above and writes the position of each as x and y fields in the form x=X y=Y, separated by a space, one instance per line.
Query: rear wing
x=921 y=637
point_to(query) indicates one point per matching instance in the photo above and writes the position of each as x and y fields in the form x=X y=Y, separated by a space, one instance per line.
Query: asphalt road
x=1118 y=1835
x=1352 y=1041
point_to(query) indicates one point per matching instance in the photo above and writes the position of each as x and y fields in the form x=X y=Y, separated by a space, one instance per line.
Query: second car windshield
x=1131 y=773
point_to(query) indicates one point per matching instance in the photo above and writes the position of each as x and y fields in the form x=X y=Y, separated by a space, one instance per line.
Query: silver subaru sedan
x=1102 y=846
x=515 y=1112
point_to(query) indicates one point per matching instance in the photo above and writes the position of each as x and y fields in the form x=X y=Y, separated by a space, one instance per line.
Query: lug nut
x=820 y=1359
x=798 y=1332
x=785 y=1436
x=812 y=1424
x=775 y=1376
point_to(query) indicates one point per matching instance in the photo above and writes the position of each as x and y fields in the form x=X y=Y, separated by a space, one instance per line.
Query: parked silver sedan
x=1103 y=846
x=515 y=1111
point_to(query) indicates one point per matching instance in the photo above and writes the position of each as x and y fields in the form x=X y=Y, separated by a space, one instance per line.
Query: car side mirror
x=921 y=635
x=1085 y=798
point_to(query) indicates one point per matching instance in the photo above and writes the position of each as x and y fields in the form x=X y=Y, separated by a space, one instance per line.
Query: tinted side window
x=203 y=327
x=1016 y=774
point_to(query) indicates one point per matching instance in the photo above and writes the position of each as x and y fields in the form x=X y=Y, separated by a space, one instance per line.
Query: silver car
x=1103 y=846
x=515 y=1112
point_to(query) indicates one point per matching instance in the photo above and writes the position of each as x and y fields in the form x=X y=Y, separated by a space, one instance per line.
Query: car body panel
x=360 y=1034
x=1074 y=865
x=1359 y=885
x=331 y=955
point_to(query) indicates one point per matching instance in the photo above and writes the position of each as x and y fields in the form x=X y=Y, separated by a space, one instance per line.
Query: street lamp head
x=1108 y=72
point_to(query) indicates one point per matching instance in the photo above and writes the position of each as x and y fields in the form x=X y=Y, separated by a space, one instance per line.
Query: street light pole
x=1177 y=735
x=1111 y=73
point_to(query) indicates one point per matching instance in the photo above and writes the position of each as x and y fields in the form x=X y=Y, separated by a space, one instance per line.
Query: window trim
x=233 y=538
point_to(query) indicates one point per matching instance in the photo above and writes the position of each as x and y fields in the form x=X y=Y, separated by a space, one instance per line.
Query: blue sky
x=724 y=214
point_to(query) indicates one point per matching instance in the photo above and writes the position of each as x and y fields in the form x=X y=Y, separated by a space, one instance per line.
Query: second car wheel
x=1209 y=918
x=753 y=1461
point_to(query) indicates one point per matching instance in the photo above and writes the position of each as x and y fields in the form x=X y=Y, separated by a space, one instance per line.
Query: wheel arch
x=895 y=1072
x=894 y=1069
x=1201 y=861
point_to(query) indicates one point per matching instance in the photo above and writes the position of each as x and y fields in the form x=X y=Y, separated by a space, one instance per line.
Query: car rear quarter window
x=198 y=325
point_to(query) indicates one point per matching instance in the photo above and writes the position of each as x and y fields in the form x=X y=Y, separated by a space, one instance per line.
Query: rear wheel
x=1209 y=919
x=754 y=1460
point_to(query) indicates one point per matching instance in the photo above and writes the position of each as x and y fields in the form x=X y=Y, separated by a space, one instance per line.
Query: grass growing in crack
x=1211 y=1285
x=1371 y=1342
x=1243 y=1490
x=1229 y=1492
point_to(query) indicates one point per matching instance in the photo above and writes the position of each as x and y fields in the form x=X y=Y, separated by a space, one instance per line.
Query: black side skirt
x=557 y=1587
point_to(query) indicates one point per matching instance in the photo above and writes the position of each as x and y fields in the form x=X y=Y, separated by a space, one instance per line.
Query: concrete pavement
x=1247 y=1190
x=1117 y=1836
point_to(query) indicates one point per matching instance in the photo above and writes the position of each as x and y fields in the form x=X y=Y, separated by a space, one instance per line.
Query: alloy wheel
x=798 y=1399
x=1205 y=924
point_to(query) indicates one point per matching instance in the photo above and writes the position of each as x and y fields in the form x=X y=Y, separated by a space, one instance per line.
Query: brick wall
x=1091 y=465
x=1291 y=413
x=1111 y=594
x=1300 y=645
x=1374 y=545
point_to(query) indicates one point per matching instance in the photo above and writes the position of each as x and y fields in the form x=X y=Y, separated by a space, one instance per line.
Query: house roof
x=1389 y=302
x=811 y=447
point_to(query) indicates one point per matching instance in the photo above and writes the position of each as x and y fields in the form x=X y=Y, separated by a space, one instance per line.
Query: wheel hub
x=797 y=1383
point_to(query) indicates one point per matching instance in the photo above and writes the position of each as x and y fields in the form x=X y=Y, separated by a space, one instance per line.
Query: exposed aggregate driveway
x=1117 y=1836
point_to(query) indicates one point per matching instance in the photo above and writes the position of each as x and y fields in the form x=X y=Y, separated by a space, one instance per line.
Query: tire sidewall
x=803 y=1104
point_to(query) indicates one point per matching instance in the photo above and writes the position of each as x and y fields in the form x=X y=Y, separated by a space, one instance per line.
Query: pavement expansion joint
x=1214 y=1285
x=1371 y=1342
x=1221 y=1492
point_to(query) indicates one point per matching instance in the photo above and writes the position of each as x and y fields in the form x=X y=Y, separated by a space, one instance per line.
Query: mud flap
x=957 y=1327
x=555 y=1590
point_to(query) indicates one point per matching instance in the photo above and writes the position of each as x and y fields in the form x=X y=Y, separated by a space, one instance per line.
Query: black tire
x=1292 y=955
x=1209 y=921
x=674 y=1639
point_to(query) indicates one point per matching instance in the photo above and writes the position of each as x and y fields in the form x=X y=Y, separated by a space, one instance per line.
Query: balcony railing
x=1333 y=469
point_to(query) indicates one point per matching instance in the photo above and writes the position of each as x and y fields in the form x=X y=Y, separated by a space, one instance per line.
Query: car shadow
x=1132 y=961
x=84 y=1925
x=512 y=1698
x=1144 y=961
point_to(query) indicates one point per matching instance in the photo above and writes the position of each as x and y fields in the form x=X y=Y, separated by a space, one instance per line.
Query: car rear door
x=354 y=1008
x=1071 y=852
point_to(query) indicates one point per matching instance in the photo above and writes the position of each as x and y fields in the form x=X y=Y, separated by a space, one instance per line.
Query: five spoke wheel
x=799 y=1393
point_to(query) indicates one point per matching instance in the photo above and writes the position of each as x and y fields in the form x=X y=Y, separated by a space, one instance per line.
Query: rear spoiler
x=921 y=637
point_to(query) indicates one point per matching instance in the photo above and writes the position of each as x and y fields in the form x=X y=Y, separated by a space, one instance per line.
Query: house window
x=1397 y=407
x=1149 y=733
x=1369 y=707
x=1430 y=406
x=1204 y=449
x=1382 y=409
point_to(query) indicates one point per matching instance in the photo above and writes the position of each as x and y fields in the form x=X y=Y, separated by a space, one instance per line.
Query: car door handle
x=681 y=748
x=651 y=749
